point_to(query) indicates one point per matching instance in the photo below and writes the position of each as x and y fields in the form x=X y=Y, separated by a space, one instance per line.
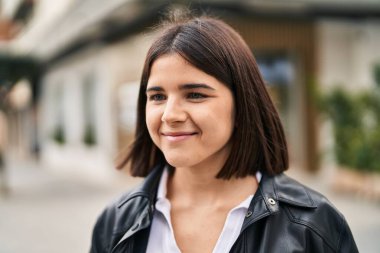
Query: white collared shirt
x=161 y=238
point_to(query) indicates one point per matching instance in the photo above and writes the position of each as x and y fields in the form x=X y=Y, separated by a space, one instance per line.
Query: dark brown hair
x=209 y=44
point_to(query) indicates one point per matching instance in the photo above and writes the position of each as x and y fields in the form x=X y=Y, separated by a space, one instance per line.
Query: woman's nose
x=173 y=112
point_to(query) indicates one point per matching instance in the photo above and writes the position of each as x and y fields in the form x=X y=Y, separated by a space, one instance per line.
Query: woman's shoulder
x=309 y=203
x=309 y=209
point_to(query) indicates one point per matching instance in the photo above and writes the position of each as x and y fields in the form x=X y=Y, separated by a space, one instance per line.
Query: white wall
x=112 y=67
x=347 y=51
x=75 y=156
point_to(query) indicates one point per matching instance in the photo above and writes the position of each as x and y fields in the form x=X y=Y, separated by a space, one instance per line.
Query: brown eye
x=156 y=97
x=196 y=95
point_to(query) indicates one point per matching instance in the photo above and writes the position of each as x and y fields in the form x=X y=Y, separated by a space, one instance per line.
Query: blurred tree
x=376 y=74
x=356 y=121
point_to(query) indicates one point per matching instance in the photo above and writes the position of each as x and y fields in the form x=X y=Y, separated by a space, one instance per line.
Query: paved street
x=47 y=212
x=50 y=212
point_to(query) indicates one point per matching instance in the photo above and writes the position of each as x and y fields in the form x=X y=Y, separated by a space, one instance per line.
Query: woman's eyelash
x=191 y=95
x=156 y=97
x=196 y=95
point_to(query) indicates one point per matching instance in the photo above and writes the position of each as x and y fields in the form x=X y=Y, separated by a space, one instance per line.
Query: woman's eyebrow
x=189 y=86
x=154 y=88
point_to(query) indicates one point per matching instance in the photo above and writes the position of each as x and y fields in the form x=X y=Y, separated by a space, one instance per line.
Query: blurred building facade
x=17 y=76
x=92 y=53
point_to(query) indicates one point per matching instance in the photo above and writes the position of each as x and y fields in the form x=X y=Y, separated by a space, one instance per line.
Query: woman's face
x=189 y=114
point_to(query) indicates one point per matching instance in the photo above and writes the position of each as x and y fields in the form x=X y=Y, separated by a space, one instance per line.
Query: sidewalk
x=50 y=212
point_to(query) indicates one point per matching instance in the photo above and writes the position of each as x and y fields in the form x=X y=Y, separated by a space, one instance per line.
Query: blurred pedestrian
x=212 y=148
x=3 y=143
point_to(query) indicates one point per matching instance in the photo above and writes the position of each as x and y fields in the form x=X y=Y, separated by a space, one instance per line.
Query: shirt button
x=248 y=214
x=271 y=201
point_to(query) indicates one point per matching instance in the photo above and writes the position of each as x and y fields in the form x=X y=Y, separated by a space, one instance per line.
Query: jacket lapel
x=143 y=196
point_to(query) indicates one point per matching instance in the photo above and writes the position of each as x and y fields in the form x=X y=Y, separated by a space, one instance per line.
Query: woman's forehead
x=173 y=68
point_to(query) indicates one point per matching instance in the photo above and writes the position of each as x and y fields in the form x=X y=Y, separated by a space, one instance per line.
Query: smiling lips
x=178 y=136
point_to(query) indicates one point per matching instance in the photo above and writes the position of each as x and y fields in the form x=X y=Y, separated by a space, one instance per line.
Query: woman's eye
x=194 y=95
x=156 y=97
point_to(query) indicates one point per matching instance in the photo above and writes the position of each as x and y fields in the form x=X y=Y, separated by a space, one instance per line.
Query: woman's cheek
x=152 y=122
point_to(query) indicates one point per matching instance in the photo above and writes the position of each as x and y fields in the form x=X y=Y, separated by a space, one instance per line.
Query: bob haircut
x=209 y=44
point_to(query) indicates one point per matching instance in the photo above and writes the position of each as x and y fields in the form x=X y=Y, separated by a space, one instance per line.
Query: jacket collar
x=271 y=191
x=287 y=190
x=278 y=187
x=147 y=188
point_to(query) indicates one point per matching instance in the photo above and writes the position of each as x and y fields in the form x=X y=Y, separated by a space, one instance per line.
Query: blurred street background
x=69 y=79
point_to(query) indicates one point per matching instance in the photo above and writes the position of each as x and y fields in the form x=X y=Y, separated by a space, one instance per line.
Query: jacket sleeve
x=346 y=242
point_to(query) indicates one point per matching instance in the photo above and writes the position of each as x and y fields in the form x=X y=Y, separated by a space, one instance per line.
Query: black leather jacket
x=284 y=216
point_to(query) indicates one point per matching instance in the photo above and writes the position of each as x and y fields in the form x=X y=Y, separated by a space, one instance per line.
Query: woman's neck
x=196 y=186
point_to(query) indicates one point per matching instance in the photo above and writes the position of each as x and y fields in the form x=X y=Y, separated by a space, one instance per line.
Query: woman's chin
x=178 y=162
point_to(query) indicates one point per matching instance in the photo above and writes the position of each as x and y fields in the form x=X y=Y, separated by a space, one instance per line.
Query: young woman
x=212 y=148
